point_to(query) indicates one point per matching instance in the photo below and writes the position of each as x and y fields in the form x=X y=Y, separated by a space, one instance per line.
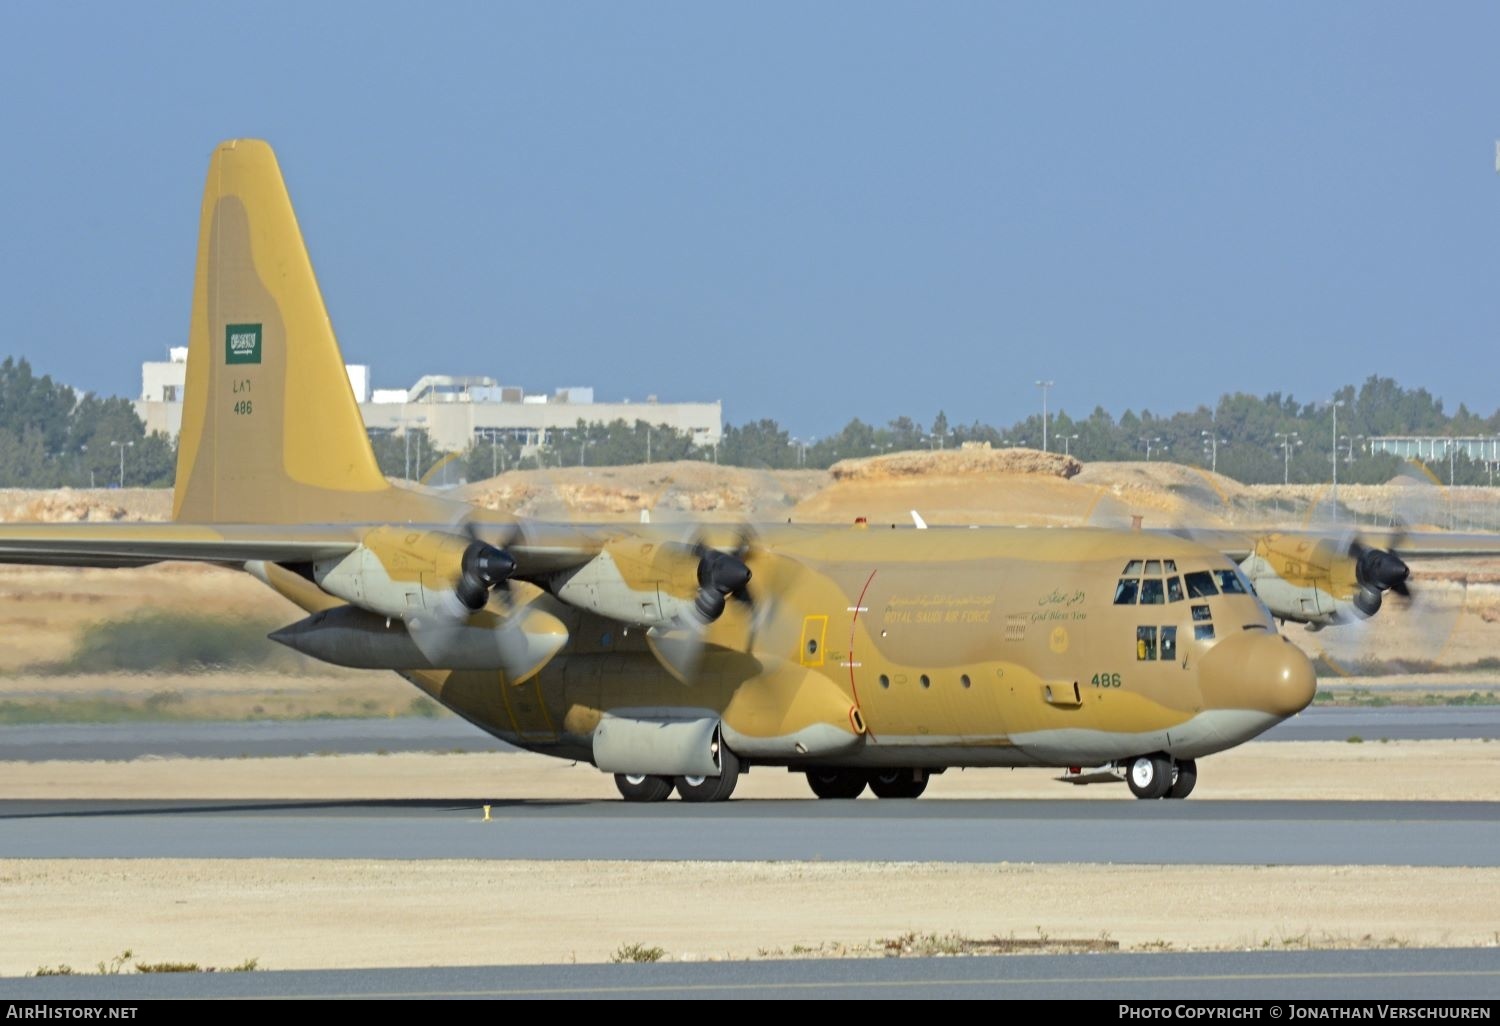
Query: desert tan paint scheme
x=863 y=656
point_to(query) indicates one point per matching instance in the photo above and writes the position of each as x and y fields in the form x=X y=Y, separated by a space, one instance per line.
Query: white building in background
x=455 y=410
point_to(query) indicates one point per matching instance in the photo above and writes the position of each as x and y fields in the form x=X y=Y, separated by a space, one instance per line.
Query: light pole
x=1211 y=442
x=1149 y=442
x=1045 y=386
x=1335 y=404
x=1286 y=444
x=1067 y=439
x=122 y=446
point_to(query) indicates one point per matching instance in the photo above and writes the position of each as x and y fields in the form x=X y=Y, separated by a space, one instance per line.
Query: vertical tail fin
x=271 y=432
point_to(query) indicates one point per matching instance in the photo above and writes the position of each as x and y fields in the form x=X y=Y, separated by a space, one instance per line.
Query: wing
x=538 y=549
x=125 y=545
x=1238 y=545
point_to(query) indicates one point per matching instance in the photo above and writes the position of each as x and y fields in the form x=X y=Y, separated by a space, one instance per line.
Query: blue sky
x=809 y=211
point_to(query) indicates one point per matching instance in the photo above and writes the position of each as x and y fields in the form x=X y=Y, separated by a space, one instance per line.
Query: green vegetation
x=637 y=953
x=117 y=966
x=1367 y=699
x=1247 y=427
x=51 y=436
x=173 y=643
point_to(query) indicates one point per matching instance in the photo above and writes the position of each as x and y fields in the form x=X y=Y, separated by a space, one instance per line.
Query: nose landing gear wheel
x=898 y=783
x=712 y=789
x=1149 y=776
x=836 y=783
x=637 y=787
x=1183 y=780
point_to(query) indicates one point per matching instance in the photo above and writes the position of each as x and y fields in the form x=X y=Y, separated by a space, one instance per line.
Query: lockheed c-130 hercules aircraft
x=677 y=661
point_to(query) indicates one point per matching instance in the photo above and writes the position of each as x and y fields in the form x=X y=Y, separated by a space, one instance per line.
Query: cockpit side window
x=1174 y=589
x=1145 y=644
x=1169 y=644
x=1132 y=569
x=1151 y=592
x=1126 y=591
x=1231 y=582
x=1200 y=584
x=1153 y=567
x=1170 y=564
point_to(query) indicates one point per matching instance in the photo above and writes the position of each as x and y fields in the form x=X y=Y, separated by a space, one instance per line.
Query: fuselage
x=873 y=646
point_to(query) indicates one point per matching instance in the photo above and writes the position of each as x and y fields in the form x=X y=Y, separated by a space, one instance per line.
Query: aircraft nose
x=1257 y=670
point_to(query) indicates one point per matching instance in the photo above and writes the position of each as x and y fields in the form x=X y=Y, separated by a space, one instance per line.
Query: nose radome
x=1257 y=670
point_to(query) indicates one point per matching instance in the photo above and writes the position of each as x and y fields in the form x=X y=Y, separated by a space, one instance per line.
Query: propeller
x=1417 y=630
x=1377 y=571
x=721 y=576
x=483 y=568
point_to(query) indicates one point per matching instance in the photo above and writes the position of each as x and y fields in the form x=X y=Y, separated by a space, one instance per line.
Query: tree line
x=51 y=435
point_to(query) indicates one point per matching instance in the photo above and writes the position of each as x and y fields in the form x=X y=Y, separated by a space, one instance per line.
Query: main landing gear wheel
x=898 y=783
x=638 y=787
x=836 y=783
x=1183 y=779
x=712 y=789
x=1149 y=776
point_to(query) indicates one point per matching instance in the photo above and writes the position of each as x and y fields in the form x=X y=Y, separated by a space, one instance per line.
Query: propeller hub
x=482 y=568
x=719 y=576
x=1382 y=571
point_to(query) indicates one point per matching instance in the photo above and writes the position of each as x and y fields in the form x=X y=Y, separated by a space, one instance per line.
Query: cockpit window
x=1126 y=591
x=1174 y=589
x=1132 y=569
x=1200 y=584
x=1169 y=644
x=1153 y=566
x=1170 y=564
x=1231 y=582
x=1203 y=632
x=1151 y=592
x=1201 y=613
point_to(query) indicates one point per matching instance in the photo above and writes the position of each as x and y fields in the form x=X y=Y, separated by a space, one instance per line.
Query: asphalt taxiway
x=1376 y=833
x=1282 y=977
x=266 y=739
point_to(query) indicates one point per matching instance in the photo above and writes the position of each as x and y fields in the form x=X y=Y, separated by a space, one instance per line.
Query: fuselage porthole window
x=1126 y=591
x=926 y=681
x=964 y=680
x=885 y=681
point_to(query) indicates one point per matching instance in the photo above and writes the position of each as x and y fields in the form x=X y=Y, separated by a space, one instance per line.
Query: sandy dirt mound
x=684 y=490
x=69 y=506
x=968 y=461
x=1010 y=486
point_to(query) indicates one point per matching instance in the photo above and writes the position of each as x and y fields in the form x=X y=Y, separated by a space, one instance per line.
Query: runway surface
x=1110 y=831
x=1412 y=974
x=447 y=734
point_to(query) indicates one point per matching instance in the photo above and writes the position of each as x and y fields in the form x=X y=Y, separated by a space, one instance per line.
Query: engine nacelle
x=400 y=572
x=521 y=643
